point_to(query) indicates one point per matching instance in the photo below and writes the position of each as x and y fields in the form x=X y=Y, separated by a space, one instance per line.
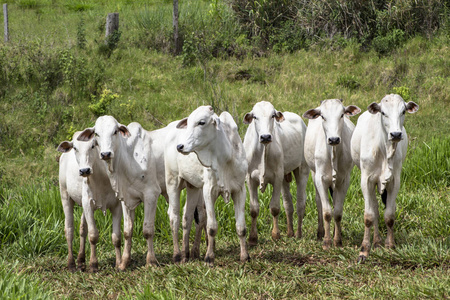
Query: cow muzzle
x=333 y=141
x=180 y=148
x=396 y=136
x=106 y=155
x=85 y=172
x=265 y=138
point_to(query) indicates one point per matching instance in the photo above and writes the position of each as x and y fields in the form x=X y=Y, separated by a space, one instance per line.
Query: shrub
x=101 y=106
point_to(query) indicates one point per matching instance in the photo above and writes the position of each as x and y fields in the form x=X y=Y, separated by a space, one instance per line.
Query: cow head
x=264 y=116
x=332 y=112
x=393 y=109
x=200 y=130
x=85 y=153
x=106 y=132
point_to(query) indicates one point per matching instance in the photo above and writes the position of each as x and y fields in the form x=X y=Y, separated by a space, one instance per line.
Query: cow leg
x=116 y=235
x=338 y=202
x=322 y=190
x=254 y=211
x=211 y=222
x=301 y=179
x=389 y=213
x=81 y=259
x=288 y=207
x=148 y=231
x=275 y=208
x=192 y=195
x=68 y=228
x=92 y=233
x=320 y=229
x=370 y=215
x=199 y=228
x=128 y=222
x=239 y=214
x=173 y=191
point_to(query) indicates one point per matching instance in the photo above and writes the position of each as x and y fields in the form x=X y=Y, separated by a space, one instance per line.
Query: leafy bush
x=387 y=43
x=100 y=107
x=403 y=91
x=348 y=81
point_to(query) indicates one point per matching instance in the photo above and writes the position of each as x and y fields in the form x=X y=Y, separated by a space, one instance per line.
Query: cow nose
x=334 y=140
x=180 y=147
x=85 y=172
x=396 y=136
x=105 y=155
x=265 y=138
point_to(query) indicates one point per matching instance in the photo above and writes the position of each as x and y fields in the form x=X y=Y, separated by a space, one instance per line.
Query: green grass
x=48 y=85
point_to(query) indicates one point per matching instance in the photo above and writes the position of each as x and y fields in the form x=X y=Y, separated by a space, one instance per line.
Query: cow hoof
x=253 y=241
x=326 y=244
x=245 y=258
x=82 y=267
x=290 y=233
x=195 y=254
x=276 y=236
x=93 y=268
x=177 y=258
x=320 y=235
x=298 y=234
x=362 y=259
x=209 y=261
x=389 y=246
x=338 y=243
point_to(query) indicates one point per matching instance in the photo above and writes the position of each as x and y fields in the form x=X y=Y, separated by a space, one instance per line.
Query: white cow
x=378 y=148
x=219 y=149
x=327 y=152
x=273 y=145
x=83 y=180
x=131 y=167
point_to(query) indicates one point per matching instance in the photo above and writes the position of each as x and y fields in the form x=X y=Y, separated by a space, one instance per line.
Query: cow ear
x=124 y=130
x=86 y=134
x=374 y=108
x=312 y=113
x=248 y=118
x=216 y=122
x=352 y=110
x=412 y=107
x=65 y=147
x=182 y=123
x=279 y=116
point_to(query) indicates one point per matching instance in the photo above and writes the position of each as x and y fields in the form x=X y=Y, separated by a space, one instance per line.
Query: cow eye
x=254 y=117
x=96 y=134
x=201 y=123
x=92 y=147
x=342 y=115
x=404 y=112
x=115 y=132
x=273 y=116
x=323 y=117
x=383 y=113
x=74 y=148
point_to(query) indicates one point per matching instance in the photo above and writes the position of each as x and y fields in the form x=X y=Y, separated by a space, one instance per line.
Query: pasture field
x=51 y=87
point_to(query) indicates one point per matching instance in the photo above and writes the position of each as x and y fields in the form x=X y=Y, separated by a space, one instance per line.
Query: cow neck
x=388 y=163
x=217 y=157
x=98 y=200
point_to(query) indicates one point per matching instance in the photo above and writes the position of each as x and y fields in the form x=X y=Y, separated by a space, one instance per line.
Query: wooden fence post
x=175 y=28
x=5 y=16
x=112 y=24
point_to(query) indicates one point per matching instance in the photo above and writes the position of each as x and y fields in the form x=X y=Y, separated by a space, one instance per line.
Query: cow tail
x=196 y=218
x=384 y=197
x=331 y=192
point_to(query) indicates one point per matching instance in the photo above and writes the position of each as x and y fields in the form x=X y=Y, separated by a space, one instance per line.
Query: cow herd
x=116 y=167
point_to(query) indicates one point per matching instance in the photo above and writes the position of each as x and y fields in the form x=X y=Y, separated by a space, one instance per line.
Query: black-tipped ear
x=86 y=134
x=248 y=118
x=124 y=130
x=65 y=147
x=182 y=123
x=312 y=113
x=412 y=107
x=352 y=110
x=374 y=108
x=279 y=116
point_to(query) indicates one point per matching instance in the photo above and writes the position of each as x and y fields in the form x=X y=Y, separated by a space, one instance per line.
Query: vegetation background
x=57 y=75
